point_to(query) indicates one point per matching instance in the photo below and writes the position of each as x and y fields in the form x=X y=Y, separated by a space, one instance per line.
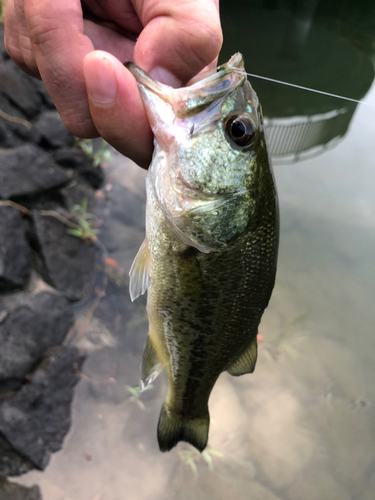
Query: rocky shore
x=47 y=263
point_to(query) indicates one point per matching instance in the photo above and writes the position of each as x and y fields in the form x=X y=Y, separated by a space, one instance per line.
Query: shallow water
x=301 y=426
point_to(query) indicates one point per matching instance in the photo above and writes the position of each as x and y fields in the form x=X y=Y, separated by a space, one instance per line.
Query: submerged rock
x=69 y=261
x=27 y=170
x=12 y=491
x=15 y=258
x=35 y=420
x=28 y=332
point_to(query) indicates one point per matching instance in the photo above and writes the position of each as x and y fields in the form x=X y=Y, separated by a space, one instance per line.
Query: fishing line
x=305 y=88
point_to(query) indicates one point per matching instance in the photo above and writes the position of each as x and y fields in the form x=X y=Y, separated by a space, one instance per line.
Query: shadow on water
x=302 y=425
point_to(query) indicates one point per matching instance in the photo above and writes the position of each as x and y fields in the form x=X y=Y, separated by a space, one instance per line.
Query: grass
x=84 y=227
x=97 y=157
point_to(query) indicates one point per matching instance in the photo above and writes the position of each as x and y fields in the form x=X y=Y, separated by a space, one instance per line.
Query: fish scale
x=209 y=258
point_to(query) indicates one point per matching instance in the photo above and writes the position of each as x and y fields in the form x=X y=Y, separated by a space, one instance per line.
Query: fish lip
x=190 y=100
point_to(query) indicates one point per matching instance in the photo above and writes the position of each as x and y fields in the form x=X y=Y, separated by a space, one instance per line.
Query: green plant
x=84 y=227
x=191 y=457
x=102 y=154
x=135 y=395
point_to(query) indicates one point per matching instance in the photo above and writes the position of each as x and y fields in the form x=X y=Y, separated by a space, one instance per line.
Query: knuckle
x=79 y=125
x=206 y=39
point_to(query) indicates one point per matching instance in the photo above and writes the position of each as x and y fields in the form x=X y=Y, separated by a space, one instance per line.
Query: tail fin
x=173 y=428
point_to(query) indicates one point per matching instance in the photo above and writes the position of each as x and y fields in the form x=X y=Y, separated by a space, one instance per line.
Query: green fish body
x=209 y=258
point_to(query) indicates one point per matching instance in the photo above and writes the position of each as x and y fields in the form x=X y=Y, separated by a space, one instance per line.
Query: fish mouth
x=202 y=91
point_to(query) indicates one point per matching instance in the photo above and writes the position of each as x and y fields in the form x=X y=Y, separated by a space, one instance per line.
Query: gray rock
x=75 y=195
x=93 y=176
x=72 y=158
x=18 y=88
x=76 y=159
x=49 y=132
x=69 y=261
x=15 y=258
x=11 y=463
x=3 y=53
x=42 y=91
x=36 y=419
x=27 y=170
x=12 y=133
x=26 y=334
x=12 y=491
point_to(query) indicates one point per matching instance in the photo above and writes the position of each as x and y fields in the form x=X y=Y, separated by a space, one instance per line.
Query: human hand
x=78 y=50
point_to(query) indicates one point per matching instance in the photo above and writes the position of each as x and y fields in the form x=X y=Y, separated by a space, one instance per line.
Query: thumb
x=179 y=39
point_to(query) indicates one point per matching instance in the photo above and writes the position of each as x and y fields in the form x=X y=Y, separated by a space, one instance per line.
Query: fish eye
x=241 y=130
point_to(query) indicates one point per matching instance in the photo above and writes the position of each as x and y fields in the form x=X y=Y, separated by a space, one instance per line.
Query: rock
x=42 y=91
x=36 y=419
x=93 y=176
x=12 y=491
x=18 y=88
x=76 y=159
x=27 y=170
x=49 y=132
x=72 y=158
x=12 y=133
x=26 y=334
x=69 y=261
x=15 y=258
x=11 y=463
x=76 y=194
x=3 y=53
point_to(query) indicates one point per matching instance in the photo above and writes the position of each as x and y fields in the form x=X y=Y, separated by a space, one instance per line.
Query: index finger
x=56 y=33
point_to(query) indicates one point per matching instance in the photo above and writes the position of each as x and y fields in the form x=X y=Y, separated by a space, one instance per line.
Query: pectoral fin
x=140 y=272
x=150 y=367
x=246 y=362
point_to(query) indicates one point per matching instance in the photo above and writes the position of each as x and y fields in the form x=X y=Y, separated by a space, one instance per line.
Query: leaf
x=75 y=232
x=206 y=456
x=216 y=453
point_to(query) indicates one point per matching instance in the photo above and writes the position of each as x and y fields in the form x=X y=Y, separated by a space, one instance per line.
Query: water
x=302 y=426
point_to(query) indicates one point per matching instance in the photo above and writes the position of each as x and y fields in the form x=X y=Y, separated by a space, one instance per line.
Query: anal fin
x=151 y=366
x=246 y=362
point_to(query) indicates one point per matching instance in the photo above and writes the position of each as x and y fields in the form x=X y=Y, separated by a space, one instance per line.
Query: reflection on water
x=302 y=426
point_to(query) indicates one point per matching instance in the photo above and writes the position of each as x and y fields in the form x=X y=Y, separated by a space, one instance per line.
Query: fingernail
x=100 y=80
x=162 y=75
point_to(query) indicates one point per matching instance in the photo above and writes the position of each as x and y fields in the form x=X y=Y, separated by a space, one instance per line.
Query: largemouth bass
x=209 y=257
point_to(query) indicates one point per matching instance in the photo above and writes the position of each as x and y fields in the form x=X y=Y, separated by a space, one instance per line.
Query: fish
x=208 y=261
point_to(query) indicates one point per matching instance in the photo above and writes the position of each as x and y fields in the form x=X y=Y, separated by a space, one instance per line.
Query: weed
x=97 y=157
x=191 y=456
x=135 y=395
x=83 y=228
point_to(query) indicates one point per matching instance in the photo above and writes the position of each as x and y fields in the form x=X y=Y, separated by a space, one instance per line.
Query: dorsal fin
x=140 y=272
